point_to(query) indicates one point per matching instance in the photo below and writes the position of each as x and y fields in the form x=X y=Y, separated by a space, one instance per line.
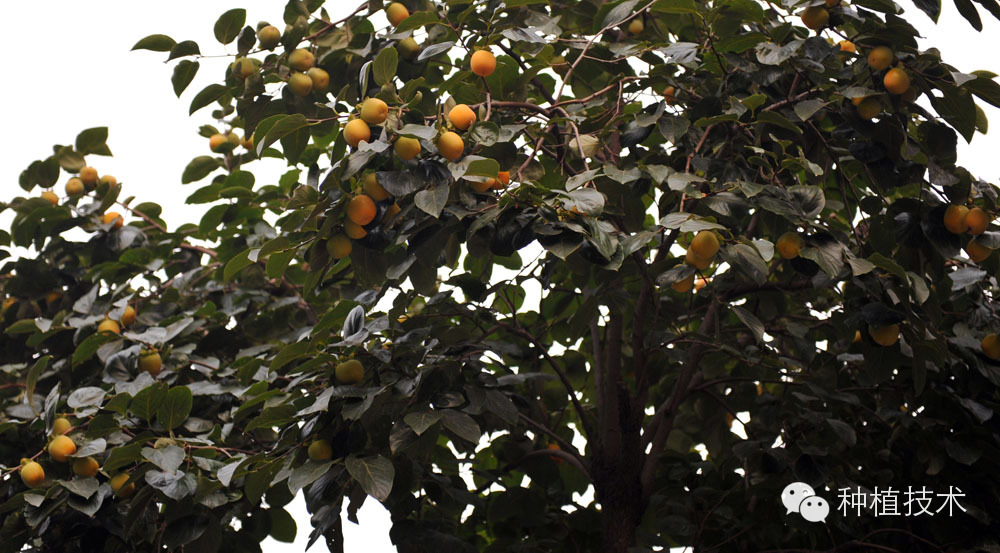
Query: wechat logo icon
x=801 y=498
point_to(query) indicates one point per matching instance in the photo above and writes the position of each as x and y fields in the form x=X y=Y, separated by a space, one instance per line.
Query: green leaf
x=184 y=48
x=122 y=456
x=207 y=95
x=277 y=128
x=168 y=458
x=675 y=6
x=957 y=107
x=417 y=131
x=421 y=421
x=433 y=201
x=83 y=487
x=417 y=20
x=147 y=401
x=384 y=69
x=273 y=416
x=278 y=262
x=773 y=118
x=239 y=262
x=290 y=353
x=199 y=168
x=92 y=141
x=283 y=527
x=807 y=108
x=375 y=474
x=184 y=73
x=229 y=25
x=740 y=42
x=931 y=7
x=156 y=43
x=481 y=167
x=462 y=425
x=89 y=347
x=175 y=408
x=33 y=373
x=752 y=322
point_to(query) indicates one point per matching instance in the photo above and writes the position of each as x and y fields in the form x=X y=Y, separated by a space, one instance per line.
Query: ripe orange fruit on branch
x=684 y=286
x=128 y=316
x=483 y=63
x=243 y=67
x=89 y=176
x=954 y=219
x=356 y=131
x=396 y=13
x=869 y=108
x=705 y=244
x=848 y=46
x=451 y=146
x=880 y=58
x=218 y=143
x=339 y=246
x=115 y=217
x=320 y=450
x=636 y=26
x=117 y=481
x=991 y=346
x=361 y=209
x=74 y=187
x=350 y=372
x=300 y=84
x=407 y=148
x=408 y=48
x=269 y=37
x=815 y=17
x=668 y=94
x=884 y=335
x=977 y=251
x=374 y=111
x=86 y=467
x=301 y=60
x=557 y=459
x=482 y=186
x=61 y=447
x=696 y=261
x=60 y=426
x=150 y=361
x=320 y=79
x=374 y=189
x=502 y=180
x=354 y=230
x=976 y=221
x=896 y=81
x=107 y=325
x=50 y=197
x=32 y=474
x=462 y=117
x=789 y=245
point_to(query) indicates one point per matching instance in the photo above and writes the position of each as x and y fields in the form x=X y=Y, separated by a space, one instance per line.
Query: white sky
x=69 y=68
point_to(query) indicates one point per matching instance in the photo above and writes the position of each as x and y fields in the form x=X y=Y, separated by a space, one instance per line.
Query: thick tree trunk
x=620 y=494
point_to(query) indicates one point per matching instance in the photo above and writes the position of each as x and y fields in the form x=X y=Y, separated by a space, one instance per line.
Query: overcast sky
x=69 y=68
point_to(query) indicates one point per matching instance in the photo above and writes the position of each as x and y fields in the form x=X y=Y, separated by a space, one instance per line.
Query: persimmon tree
x=522 y=250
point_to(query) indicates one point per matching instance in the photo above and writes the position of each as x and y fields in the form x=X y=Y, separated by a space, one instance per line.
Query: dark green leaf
x=228 y=26
x=156 y=43
x=184 y=73
x=175 y=407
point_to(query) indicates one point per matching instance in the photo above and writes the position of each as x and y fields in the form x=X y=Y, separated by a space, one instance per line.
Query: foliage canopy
x=536 y=272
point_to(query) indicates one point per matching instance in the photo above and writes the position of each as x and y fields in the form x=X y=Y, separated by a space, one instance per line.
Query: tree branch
x=558 y=370
x=662 y=422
